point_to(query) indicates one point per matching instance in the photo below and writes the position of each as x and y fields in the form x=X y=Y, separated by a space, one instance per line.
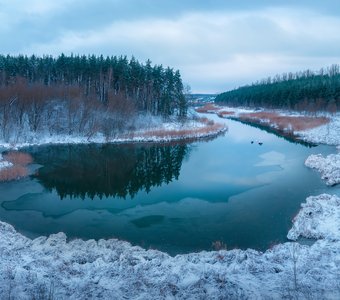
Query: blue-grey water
x=173 y=197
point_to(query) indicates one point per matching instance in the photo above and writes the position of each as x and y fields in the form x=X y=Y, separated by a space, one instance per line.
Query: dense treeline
x=83 y=94
x=307 y=90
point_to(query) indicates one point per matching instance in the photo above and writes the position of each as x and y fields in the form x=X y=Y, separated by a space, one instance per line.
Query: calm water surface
x=174 y=197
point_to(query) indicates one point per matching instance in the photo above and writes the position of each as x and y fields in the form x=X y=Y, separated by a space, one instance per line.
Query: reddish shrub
x=18 y=158
x=210 y=107
x=285 y=122
x=13 y=173
x=210 y=128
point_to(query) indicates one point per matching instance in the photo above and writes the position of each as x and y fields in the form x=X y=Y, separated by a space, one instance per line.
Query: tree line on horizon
x=96 y=93
x=304 y=91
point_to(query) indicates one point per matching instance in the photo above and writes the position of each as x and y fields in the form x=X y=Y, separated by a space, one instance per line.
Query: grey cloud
x=217 y=45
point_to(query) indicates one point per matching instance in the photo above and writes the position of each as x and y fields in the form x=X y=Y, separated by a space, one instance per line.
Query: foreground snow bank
x=328 y=166
x=319 y=218
x=113 y=269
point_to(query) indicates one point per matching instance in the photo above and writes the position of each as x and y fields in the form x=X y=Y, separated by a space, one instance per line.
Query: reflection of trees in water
x=110 y=170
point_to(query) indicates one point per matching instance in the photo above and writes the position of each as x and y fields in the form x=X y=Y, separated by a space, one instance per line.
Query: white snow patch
x=319 y=218
x=328 y=166
x=113 y=269
x=143 y=135
x=326 y=134
x=235 y=110
x=4 y=163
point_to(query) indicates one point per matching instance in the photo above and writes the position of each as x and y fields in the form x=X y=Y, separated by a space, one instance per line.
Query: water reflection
x=109 y=170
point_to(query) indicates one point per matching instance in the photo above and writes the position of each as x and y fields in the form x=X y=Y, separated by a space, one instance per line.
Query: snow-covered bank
x=326 y=134
x=319 y=218
x=160 y=132
x=328 y=166
x=113 y=269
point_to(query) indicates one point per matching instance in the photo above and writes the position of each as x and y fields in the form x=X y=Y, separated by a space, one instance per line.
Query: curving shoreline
x=166 y=132
x=115 y=269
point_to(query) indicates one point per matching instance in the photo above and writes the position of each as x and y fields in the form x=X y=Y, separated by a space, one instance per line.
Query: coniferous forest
x=83 y=94
x=305 y=91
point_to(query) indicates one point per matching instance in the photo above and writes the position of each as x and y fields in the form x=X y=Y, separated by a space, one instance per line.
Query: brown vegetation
x=13 y=173
x=286 y=123
x=210 y=129
x=208 y=108
x=19 y=170
x=18 y=158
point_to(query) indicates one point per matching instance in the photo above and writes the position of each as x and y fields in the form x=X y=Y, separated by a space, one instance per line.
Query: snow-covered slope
x=328 y=166
x=327 y=134
x=112 y=269
x=319 y=218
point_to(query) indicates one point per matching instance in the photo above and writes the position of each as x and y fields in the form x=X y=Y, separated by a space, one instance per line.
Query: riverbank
x=318 y=128
x=154 y=132
x=56 y=268
x=189 y=130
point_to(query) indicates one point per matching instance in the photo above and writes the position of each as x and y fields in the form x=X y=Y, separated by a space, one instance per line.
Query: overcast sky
x=217 y=45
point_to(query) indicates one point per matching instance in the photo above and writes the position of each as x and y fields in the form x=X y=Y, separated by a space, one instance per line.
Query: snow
x=146 y=134
x=113 y=269
x=319 y=218
x=328 y=166
x=4 y=163
x=326 y=134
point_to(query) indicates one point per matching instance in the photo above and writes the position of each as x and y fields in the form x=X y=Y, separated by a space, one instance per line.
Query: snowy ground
x=171 y=131
x=51 y=267
x=112 y=269
x=326 y=134
x=328 y=166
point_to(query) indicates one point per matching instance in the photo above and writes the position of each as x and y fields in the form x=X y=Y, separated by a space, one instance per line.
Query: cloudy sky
x=217 y=45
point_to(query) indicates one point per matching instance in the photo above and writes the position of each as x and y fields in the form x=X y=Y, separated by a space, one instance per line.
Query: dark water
x=173 y=197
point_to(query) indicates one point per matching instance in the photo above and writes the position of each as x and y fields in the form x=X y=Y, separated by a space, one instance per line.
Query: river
x=241 y=189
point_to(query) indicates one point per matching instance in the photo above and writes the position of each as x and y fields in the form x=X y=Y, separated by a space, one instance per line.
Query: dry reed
x=210 y=128
x=290 y=123
x=18 y=170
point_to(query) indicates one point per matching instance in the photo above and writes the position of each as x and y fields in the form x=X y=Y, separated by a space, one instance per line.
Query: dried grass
x=19 y=170
x=13 y=173
x=290 y=123
x=207 y=108
x=18 y=158
x=210 y=128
